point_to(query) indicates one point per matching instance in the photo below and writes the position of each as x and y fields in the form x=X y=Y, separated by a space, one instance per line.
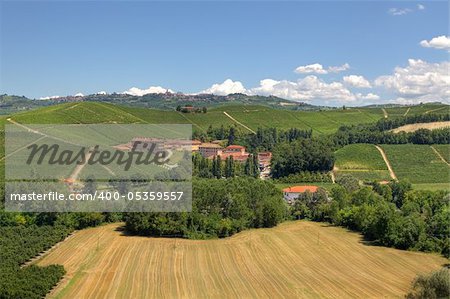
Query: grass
x=418 y=164
x=362 y=161
x=432 y=187
x=292 y=260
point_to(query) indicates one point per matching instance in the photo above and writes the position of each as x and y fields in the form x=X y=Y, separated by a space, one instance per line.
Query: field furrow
x=295 y=259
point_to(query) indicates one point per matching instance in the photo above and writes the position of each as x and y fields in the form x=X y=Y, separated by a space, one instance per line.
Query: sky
x=323 y=52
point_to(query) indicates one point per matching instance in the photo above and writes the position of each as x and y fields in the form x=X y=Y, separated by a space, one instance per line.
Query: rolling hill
x=321 y=122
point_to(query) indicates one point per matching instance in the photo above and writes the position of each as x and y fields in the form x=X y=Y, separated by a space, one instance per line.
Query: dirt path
x=40 y=133
x=439 y=155
x=426 y=112
x=333 y=178
x=409 y=108
x=80 y=167
x=21 y=148
x=385 y=113
x=383 y=154
x=332 y=173
x=238 y=122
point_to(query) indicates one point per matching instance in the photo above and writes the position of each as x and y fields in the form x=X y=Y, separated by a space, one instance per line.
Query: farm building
x=293 y=192
x=209 y=149
x=264 y=160
x=195 y=145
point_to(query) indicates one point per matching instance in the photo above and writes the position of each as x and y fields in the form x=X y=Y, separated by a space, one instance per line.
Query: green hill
x=248 y=117
x=362 y=161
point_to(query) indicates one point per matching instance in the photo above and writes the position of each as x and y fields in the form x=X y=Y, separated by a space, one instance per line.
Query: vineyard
x=418 y=164
x=19 y=244
x=362 y=161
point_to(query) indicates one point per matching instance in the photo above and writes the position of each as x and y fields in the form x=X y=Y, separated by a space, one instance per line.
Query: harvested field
x=295 y=259
x=429 y=126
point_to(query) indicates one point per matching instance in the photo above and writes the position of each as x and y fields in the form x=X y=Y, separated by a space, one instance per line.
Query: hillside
x=418 y=164
x=362 y=161
x=321 y=122
x=168 y=101
x=425 y=166
x=295 y=259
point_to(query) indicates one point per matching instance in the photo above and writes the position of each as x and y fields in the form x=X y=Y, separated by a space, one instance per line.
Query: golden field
x=294 y=260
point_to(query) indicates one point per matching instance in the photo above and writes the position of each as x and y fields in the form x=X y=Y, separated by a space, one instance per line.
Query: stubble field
x=295 y=259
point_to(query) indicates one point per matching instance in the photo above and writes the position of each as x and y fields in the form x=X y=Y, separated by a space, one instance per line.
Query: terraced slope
x=296 y=259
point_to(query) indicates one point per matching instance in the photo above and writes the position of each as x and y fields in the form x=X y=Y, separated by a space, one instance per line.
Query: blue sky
x=51 y=48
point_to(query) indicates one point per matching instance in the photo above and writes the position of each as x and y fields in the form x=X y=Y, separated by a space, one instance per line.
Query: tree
x=349 y=182
x=431 y=286
x=255 y=163
x=217 y=167
x=231 y=135
x=248 y=167
x=229 y=167
x=90 y=185
x=399 y=190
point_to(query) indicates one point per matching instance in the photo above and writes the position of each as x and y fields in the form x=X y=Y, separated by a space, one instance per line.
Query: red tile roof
x=300 y=189
x=235 y=147
x=209 y=145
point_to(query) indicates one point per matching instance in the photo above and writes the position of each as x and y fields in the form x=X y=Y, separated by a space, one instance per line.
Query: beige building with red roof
x=291 y=193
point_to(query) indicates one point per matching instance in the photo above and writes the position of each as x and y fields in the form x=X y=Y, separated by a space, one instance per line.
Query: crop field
x=430 y=108
x=429 y=126
x=443 y=150
x=418 y=164
x=295 y=259
x=251 y=116
x=394 y=112
x=362 y=161
x=321 y=122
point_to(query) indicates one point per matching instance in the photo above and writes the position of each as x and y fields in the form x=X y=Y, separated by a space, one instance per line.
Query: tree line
x=391 y=215
x=19 y=244
x=220 y=208
x=216 y=167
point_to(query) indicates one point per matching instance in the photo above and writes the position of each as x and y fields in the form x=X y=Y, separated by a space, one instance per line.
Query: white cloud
x=369 y=96
x=134 y=91
x=317 y=68
x=420 y=81
x=102 y=93
x=399 y=11
x=440 y=42
x=225 y=88
x=420 y=6
x=356 y=81
x=306 y=89
x=49 y=98
x=337 y=69
x=79 y=95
